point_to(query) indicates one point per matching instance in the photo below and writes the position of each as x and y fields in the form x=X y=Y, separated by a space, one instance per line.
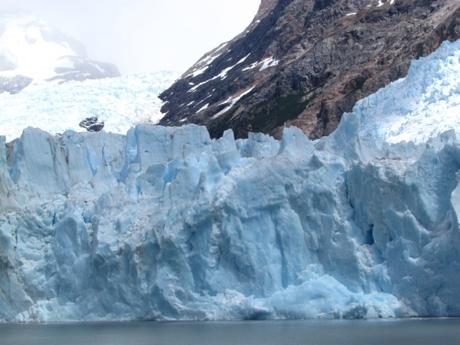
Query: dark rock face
x=84 y=69
x=92 y=124
x=306 y=62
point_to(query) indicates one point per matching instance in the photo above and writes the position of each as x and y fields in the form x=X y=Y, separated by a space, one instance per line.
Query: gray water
x=404 y=332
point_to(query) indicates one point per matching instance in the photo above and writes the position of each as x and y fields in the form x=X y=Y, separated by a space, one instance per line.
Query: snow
x=210 y=59
x=168 y=224
x=268 y=63
x=22 y=42
x=197 y=86
x=203 y=64
x=381 y=3
x=199 y=71
x=264 y=64
x=222 y=75
x=34 y=53
x=203 y=108
x=243 y=59
x=232 y=101
x=120 y=102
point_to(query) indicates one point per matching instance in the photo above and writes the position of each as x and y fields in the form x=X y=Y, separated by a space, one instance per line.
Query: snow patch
x=222 y=75
x=264 y=64
x=203 y=108
x=232 y=101
x=268 y=63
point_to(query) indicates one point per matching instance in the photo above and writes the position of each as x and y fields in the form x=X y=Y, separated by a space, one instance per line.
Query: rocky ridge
x=306 y=62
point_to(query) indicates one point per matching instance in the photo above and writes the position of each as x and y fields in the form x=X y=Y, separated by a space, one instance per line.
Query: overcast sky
x=144 y=35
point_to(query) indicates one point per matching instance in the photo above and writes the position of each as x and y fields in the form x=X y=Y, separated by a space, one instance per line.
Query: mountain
x=48 y=82
x=306 y=62
x=167 y=224
x=32 y=52
x=56 y=107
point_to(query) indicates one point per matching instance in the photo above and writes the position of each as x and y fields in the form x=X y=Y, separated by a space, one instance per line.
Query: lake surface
x=394 y=332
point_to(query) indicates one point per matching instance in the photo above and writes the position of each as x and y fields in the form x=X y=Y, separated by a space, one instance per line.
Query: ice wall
x=165 y=223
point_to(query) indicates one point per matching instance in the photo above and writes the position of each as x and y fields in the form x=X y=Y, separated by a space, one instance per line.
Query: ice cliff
x=165 y=223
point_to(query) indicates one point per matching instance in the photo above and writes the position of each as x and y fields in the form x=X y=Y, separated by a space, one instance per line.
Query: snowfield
x=25 y=42
x=48 y=82
x=121 y=102
x=32 y=53
x=167 y=224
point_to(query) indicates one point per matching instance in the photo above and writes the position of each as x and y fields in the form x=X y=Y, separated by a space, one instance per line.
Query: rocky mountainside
x=306 y=62
x=32 y=52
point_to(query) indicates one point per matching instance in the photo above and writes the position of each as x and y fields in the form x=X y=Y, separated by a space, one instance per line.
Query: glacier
x=168 y=224
x=120 y=102
x=47 y=81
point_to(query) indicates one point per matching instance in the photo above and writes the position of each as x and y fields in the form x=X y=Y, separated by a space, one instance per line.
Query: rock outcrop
x=306 y=62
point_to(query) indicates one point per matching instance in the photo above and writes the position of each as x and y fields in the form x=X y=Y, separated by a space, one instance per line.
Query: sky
x=144 y=35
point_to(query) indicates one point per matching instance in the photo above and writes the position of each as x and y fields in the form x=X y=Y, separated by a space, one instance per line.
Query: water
x=404 y=332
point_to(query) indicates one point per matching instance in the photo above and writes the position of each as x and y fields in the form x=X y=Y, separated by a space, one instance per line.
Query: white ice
x=165 y=223
x=120 y=102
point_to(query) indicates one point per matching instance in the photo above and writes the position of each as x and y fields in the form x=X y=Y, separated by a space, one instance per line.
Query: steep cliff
x=306 y=62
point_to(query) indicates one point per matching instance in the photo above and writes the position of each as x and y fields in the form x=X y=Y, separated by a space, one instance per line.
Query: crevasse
x=165 y=223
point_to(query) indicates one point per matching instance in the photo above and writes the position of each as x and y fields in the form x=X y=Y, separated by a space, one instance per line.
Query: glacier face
x=165 y=223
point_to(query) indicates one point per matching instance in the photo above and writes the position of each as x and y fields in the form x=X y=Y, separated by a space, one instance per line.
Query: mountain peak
x=32 y=52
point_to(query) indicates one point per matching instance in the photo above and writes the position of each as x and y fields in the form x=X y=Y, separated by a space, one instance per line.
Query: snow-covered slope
x=165 y=223
x=119 y=102
x=32 y=52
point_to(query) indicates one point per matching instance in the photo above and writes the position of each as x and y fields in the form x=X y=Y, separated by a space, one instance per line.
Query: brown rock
x=321 y=57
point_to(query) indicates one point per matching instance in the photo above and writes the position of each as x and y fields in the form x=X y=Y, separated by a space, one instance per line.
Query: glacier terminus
x=169 y=224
